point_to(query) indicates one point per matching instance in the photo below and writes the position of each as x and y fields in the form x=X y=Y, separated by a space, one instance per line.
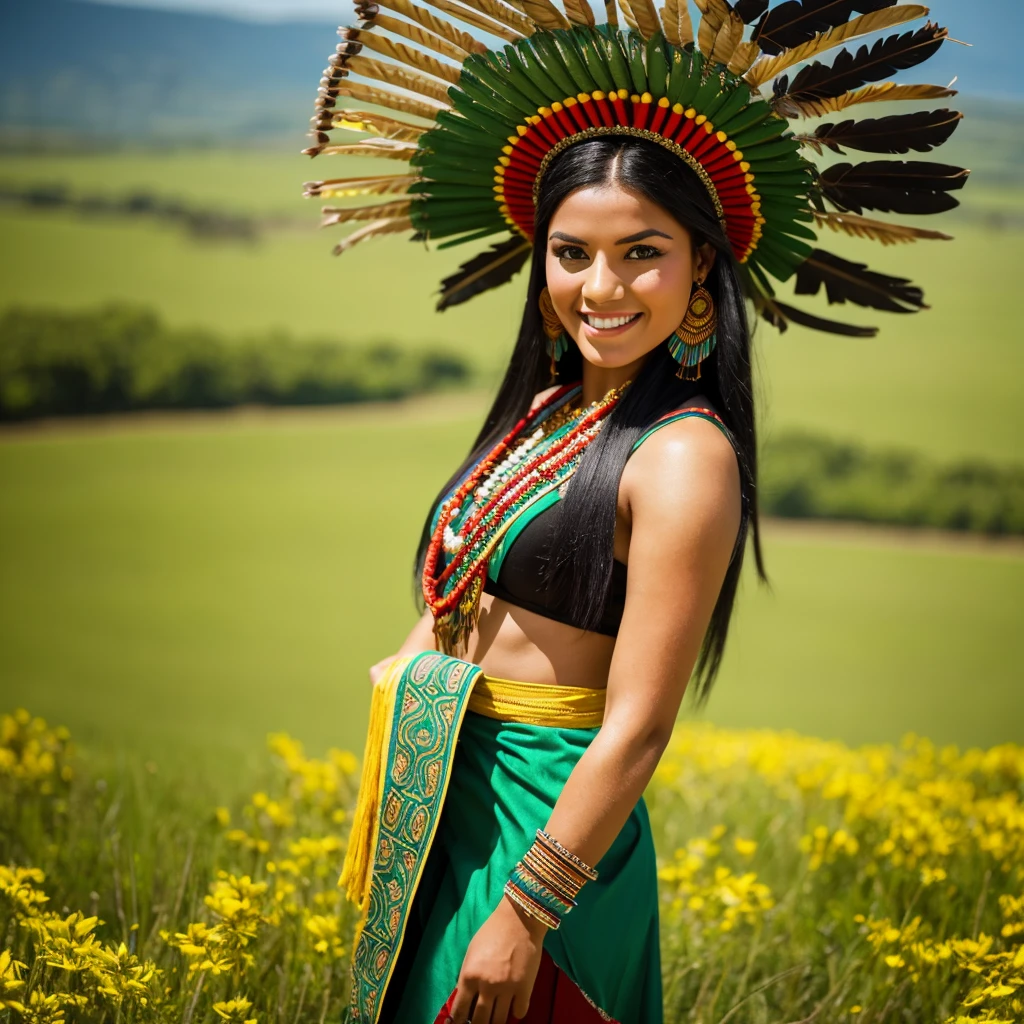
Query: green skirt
x=502 y=781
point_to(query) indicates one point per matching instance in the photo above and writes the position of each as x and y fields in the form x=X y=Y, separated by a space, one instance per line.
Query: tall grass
x=799 y=881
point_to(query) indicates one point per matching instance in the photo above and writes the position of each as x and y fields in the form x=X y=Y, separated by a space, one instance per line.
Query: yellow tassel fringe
x=358 y=867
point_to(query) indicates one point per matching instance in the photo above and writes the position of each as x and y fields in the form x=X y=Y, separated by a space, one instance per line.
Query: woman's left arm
x=683 y=491
x=682 y=488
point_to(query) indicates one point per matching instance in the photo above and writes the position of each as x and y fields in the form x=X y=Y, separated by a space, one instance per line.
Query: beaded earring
x=693 y=340
x=558 y=341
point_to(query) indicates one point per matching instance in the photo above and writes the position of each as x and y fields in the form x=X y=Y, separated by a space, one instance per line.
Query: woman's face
x=620 y=270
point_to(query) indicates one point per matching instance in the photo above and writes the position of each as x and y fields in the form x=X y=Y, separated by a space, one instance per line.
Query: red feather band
x=691 y=136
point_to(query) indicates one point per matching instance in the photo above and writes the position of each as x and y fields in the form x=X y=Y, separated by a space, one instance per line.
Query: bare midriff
x=513 y=643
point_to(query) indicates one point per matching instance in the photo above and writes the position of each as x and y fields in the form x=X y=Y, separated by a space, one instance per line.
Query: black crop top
x=521 y=577
x=523 y=571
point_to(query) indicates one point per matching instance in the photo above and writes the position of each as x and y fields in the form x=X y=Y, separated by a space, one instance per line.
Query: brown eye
x=568 y=252
x=645 y=252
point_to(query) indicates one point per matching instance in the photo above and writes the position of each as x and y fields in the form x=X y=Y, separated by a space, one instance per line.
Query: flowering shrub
x=799 y=879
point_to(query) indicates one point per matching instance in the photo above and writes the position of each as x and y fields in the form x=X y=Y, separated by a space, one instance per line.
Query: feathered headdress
x=487 y=122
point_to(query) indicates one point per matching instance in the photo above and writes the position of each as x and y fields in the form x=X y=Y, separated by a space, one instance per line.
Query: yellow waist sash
x=509 y=700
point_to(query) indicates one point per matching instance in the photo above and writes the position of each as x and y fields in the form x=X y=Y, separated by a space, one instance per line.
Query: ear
x=704 y=260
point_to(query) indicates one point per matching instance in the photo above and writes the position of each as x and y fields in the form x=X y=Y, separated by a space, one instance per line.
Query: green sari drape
x=460 y=797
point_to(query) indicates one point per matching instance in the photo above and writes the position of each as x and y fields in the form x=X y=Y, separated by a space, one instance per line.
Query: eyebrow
x=621 y=241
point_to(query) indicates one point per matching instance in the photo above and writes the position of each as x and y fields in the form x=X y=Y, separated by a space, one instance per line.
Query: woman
x=622 y=230
x=582 y=563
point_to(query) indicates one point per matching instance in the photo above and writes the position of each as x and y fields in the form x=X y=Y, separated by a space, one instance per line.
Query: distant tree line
x=121 y=358
x=197 y=222
x=805 y=476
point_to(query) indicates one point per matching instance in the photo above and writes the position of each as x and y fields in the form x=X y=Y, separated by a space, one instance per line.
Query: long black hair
x=584 y=545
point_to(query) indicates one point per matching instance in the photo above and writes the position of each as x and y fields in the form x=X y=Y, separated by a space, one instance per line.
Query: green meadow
x=177 y=593
x=173 y=589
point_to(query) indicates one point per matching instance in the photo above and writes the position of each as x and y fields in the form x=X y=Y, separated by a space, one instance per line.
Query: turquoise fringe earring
x=558 y=340
x=693 y=340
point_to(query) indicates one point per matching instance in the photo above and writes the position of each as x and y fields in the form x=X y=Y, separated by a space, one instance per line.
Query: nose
x=602 y=284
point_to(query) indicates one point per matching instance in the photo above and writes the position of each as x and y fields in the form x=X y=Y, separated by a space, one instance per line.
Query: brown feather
x=395 y=75
x=377 y=211
x=579 y=12
x=372 y=230
x=544 y=14
x=366 y=93
x=611 y=13
x=744 y=55
x=627 y=16
x=645 y=14
x=714 y=14
x=880 y=91
x=477 y=20
x=729 y=36
x=877 y=230
x=406 y=55
x=373 y=185
x=675 y=18
x=386 y=149
x=766 y=69
x=430 y=21
x=422 y=36
x=503 y=13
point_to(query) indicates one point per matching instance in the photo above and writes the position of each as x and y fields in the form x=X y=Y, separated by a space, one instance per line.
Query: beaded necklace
x=518 y=470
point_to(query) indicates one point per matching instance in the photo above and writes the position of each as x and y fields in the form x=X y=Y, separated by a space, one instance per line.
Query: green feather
x=549 y=59
x=500 y=81
x=727 y=105
x=611 y=48
x=747 y=117
x=536 y=71
x=519 y=74
x=637 y=71
x=692 y=81
x=590 y=48
x=496 y=102
x=657 y=65
x=766 y=150
x=562 y=42
x=473 y=111
x=760 y=132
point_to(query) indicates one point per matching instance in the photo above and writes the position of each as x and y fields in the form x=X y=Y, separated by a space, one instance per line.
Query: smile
x=609 y=323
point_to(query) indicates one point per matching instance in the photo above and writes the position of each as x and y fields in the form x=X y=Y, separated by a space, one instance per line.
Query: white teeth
x=604 y=323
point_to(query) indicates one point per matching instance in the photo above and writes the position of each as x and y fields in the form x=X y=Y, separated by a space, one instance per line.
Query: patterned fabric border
x=430 y=705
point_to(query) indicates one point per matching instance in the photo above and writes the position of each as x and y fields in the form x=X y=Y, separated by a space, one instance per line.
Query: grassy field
x=219 y=580
x=943 y=381
x=177 y=592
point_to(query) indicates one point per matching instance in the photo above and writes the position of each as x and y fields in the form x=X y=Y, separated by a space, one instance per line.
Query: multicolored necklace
x=537 y=455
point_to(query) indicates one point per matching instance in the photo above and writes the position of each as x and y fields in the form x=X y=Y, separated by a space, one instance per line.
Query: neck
x=599 y=380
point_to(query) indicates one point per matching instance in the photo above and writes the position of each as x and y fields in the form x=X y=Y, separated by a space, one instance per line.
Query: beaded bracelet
x=531 y=907
x=561 y=851
x=539 y=888
x=546 y=882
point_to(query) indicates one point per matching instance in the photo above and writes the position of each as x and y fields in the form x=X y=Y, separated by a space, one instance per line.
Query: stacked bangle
x=546 y=882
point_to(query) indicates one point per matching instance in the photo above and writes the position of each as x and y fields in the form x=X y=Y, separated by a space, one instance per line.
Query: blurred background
x=218 y=443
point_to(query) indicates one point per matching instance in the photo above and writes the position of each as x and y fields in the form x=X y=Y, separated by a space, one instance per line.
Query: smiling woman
x=580 y=566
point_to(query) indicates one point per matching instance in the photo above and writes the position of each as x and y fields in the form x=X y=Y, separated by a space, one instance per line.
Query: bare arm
x=683 y=491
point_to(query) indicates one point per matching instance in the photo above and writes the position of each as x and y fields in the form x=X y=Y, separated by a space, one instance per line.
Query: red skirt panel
x=556 y=999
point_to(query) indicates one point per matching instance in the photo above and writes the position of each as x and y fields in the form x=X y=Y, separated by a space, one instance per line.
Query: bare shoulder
x=682 y=463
